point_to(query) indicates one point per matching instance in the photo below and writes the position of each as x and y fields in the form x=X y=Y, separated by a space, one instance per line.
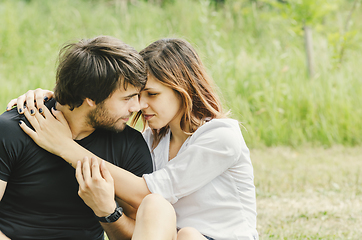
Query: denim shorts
x=209 y=238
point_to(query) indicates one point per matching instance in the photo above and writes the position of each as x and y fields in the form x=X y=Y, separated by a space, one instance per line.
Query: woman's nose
x=143 y=103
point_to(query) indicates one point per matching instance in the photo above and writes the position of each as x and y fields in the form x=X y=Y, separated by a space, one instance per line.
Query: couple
x=201 y=186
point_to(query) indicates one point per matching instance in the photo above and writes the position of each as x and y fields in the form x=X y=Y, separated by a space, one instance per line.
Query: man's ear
x=89 y=102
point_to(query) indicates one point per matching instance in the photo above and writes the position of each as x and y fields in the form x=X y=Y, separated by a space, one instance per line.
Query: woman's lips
x=148 y=116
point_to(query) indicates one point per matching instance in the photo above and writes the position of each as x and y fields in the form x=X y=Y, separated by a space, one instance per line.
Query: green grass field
x=255 y=55
x=307 y=188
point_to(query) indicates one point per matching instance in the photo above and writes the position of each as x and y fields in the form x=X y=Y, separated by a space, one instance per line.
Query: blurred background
x=289 y=71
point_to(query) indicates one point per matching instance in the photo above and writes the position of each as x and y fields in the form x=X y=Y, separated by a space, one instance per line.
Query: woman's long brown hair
x=175 y=63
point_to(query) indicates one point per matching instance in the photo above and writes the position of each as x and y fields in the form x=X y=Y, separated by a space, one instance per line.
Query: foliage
x=309 y=12
x=253 y=52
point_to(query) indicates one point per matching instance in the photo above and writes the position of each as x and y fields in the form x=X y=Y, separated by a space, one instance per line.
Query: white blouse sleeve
x=212 y=149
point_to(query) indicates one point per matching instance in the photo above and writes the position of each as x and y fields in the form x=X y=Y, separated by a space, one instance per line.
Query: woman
x=201 y=162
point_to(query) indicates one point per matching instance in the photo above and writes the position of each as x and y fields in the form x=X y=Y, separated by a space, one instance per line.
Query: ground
x=309 y=193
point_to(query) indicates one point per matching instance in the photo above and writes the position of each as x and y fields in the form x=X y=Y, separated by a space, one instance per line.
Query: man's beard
x=101 y=118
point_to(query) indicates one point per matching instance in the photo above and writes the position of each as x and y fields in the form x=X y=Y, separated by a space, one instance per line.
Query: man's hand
x=96 y=186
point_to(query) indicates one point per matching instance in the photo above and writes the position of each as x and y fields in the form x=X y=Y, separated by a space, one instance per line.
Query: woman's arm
x=3 y=237
x=53 y=134
x=212 y=149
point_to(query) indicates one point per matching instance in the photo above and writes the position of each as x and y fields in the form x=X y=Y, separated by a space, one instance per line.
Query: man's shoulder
x=126 y=140
x=8 y=115
x=10 y=119
x=128 y=133
x=9 y=122
x=131 y=131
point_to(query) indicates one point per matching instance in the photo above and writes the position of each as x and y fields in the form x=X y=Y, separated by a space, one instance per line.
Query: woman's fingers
x=48 y=95
x=45 y=112
x=31 y=98
x=20 y=103
x=36 y=120
x=11 y=104
x=30 y=101
x=59 y=116
x=28 y=130
x=39 y=99
x=32 y=119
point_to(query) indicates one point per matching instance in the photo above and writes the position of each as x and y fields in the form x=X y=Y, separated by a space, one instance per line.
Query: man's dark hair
x=95 y=68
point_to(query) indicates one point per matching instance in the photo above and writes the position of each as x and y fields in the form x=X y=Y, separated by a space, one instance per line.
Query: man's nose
x=135 y=105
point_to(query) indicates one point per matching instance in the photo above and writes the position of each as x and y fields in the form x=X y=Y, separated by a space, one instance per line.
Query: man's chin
x=115 y=128
x=119 y=127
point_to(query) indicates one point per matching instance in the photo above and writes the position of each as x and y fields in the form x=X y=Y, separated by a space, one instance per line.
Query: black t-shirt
x=41 y=197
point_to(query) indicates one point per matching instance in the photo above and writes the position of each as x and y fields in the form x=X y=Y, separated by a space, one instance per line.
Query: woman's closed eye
x=152 y=94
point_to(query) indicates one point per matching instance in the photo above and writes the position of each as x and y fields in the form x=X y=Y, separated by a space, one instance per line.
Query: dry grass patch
x=309 y=193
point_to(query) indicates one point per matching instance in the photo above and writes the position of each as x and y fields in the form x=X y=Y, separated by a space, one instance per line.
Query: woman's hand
x=31 y=98
x=96 y=186
x=50 y=132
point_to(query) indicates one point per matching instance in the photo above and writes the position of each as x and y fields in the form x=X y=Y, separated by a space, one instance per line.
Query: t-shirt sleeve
x=139 y=160
x=10 y=144
x=210 y=151
x=5 y=169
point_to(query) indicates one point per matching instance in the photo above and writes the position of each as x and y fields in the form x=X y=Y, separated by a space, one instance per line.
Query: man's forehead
x=129 y=90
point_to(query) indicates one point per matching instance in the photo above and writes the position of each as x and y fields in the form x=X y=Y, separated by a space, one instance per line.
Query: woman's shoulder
x=225 y=131
x=221 y=126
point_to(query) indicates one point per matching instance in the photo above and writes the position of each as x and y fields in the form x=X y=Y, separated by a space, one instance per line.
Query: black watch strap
x=118 y=212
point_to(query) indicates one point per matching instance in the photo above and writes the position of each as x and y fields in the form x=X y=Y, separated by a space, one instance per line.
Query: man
x=97 y=86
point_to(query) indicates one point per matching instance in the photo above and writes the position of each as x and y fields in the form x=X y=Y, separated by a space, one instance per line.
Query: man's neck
x=77 y=121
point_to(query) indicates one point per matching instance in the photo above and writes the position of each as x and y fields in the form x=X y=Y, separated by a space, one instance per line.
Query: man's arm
x=123 y=228
x=53 y=136
x=96 y=188
x=2 y=190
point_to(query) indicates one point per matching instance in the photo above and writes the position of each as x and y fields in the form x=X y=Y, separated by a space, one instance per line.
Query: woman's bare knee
x=156 y=219
x=189 y=233
x=155 y=204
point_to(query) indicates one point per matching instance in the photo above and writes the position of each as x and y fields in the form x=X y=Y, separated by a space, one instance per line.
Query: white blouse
x=210 y=182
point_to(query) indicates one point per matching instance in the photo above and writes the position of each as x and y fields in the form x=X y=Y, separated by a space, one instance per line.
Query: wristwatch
x=118 y=212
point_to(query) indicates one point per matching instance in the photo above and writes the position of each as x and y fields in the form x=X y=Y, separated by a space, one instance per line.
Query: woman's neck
x=178 y=137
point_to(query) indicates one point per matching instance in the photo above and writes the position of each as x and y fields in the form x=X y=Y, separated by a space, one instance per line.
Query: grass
x=255 y=55
x=308 y=189
x=308 y=193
